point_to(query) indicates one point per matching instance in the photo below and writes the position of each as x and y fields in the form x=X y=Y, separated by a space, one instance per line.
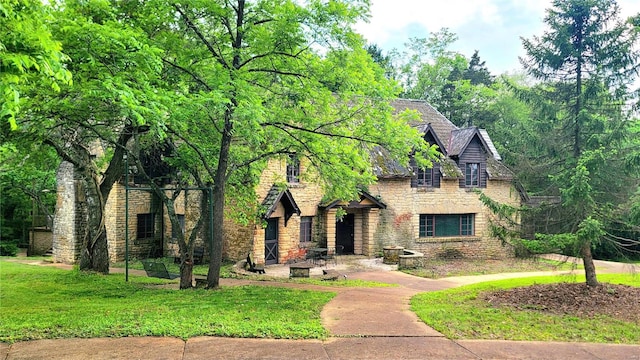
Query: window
x=472 y=174
x=174 y=231
x=305 y=229
x=146 y=224
x=446 y=225
x=293 y=170
x=424 y=176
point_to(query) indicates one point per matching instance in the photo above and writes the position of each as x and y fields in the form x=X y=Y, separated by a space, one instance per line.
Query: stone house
x=435 y=211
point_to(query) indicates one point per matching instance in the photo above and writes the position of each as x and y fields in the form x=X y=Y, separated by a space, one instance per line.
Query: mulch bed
x=617 y=301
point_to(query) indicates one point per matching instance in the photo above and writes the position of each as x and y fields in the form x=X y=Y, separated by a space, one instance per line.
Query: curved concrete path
x=364 y=323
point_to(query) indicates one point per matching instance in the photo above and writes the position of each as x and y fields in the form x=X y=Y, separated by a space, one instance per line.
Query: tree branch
x=200 y=36
x=190 y=73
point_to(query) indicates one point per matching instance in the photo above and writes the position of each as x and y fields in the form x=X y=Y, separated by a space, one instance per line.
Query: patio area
x=344 y=264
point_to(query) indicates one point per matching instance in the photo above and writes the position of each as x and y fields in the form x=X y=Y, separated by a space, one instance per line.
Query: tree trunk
x=92 y=232
x=589 y=267
x=220 y=180
x=186 y=271
x=92 y=195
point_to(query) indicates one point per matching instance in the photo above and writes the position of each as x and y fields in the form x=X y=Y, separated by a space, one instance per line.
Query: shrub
x=8 y=249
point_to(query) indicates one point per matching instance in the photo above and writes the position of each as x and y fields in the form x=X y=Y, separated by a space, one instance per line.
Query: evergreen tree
x=587 y=58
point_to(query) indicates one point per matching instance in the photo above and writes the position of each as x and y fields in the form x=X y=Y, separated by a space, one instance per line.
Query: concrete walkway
x=364 y=323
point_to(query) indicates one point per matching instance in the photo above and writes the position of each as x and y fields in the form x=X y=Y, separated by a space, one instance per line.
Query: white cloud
x=493 y=27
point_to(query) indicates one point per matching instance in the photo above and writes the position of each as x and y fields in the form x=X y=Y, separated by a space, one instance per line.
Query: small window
x=174 y=231
x=146 y=224
x=472 y=175
x=446 y=225
x=424 y=177
x=305 y=229
x=293 y=169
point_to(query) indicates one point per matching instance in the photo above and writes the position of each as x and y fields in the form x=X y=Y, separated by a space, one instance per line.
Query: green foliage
x=552 y=243
x=428 y=70
x=8 y=248
x=587 y=60
x=458 y=314
x=27 y=52
x=44 y=303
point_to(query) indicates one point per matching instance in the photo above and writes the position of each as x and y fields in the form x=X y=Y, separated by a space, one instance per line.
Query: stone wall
x=140 y=202
x=307 y=194
x=399 y=223
x=66 y=248
x=40 y=241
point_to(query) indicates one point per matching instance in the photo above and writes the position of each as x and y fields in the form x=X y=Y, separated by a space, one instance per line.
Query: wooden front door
x=271 y=242
x=345 y=233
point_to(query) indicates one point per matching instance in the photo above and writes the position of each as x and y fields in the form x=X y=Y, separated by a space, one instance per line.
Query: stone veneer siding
x=399 y=223
x=306 y=194
x=66 y=248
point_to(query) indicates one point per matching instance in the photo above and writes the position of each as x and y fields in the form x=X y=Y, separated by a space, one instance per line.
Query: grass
x=436 y=269
x=458 y=314
x=135 y=264
x=42 y=303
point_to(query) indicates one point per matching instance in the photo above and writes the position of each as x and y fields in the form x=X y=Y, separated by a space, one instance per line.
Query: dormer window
x=293 y=169
x=472 y=175
x=424 y=176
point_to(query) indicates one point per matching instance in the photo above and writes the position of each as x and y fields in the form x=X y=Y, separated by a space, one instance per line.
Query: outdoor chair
x=253 y=267
x=330 y=256
x=198 y=255
x=158 y=270
x=314 y=255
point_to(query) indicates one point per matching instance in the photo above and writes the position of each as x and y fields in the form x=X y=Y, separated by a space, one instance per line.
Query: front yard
x=39 y=302
x=557 y=308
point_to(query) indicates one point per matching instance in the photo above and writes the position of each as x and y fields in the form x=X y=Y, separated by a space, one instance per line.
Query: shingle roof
x=452 y=141
x=459 y=140
x=385 y=167
x=492 y=148
x=274 y=196
x=497 y=170
x=428 y=116
x=449 y=169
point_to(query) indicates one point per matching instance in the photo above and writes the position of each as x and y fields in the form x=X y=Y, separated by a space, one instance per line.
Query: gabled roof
x=429 y=130
x=461 y=138
x=367 y=201
x=451 y=140
x=275 y=195
x=428 y=116
x=492 y=148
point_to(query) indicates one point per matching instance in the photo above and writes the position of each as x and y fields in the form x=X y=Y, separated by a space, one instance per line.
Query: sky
x=493 y=27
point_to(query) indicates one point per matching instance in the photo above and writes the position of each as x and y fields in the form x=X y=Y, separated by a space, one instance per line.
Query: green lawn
x=438 y=268
x=41 y=303
x=458 y=314
x=202 y=270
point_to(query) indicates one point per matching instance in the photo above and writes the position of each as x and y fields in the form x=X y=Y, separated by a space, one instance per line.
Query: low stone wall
x=40 y=241
x=391 y=254
x=410 y=260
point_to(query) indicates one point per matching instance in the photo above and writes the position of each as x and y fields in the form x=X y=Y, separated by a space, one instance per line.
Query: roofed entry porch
x=353 y=232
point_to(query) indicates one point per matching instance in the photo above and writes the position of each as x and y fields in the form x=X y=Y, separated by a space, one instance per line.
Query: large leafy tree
x=112 y=96
x=461 y=89
x=587 y=59
x=255 y=80
x=28 y=53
